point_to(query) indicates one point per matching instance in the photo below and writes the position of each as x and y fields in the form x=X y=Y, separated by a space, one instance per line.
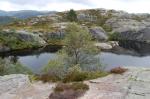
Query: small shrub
x=74 y=74
x=48 y=78
x=118 y=70
x=79 y=86
x=55 y=70
x=96 y=74
x=107 y=28
x=69 y=91
x=114 y=36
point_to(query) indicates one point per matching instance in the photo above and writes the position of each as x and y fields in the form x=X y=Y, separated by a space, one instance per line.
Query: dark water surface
x=135 y=54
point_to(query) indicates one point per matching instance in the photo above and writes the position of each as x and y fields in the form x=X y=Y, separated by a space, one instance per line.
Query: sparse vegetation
x=69 y=90
x=114 y=36
x=9 y=67
x=13 y=41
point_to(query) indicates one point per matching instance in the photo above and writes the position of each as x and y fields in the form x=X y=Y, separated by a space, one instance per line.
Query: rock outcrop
x=12 y=40
x=142 y=35
x=18 y=86
x=12 y=83
x=107 y=45
x=124 y=24
x=26 y=36
x=99 y=33
x=133 y=84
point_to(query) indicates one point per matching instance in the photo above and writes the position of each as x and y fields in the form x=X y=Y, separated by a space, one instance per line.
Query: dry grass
x=118 y=70
x=69 y=91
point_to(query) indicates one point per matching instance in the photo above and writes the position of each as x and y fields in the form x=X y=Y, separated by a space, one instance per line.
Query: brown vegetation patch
x=118 y=70
x=69 y=91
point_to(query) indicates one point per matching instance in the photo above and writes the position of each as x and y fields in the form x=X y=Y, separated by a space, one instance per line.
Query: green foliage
x=55 y=69
x=7 y=67
x=79 y=49
x=72 y=16
x=76 y=61
x=107 y=28
x=75 y=75
x=114 y=36
x=14 y=42
x=54 y=41
x=95 y=74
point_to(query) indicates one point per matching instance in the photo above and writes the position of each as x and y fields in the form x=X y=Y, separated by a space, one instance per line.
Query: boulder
x=104 y=46
x=26 y=36
x=98 y=33
x=107 y=45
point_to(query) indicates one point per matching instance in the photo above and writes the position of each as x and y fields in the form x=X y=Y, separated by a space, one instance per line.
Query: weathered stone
x=26 y=36
x=18 y=86
x=107 y=45
x=103 y=46
x=98 y=33
x=142 y=35
x=11 y=83
x=133 y=84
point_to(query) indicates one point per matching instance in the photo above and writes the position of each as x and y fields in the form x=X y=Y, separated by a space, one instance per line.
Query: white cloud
x=133 y=6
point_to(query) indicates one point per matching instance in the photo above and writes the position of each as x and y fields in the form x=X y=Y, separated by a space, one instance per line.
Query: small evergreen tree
x=72 y=16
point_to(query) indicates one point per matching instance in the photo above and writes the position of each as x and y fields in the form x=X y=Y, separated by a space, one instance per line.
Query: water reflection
x=138 y=48
x=129 y=54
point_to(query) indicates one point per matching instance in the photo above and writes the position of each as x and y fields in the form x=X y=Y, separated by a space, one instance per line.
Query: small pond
x=129 y=54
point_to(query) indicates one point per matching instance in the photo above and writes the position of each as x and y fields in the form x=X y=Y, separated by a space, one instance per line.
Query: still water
x=36 y=59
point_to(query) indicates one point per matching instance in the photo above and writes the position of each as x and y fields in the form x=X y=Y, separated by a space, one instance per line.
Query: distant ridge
x=23 y=14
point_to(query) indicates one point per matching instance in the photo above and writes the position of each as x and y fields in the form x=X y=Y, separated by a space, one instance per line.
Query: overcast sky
x=132 y=6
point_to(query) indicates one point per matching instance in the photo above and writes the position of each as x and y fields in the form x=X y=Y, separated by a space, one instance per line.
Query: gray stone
x=98 y=33
x=11 y=83
x=133 y=84
x=26 y=36
x=142 y=35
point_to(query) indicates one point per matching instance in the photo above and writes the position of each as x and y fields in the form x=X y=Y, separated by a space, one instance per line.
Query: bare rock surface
x=134 y=84
x=107 y=45
x=18 y=86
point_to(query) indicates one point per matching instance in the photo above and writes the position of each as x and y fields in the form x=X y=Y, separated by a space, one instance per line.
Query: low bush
x=47 y=78
x=114 y=36
x=118 y=70
x=69 y=90
x=76 y=74
x=7 y=67
x=73 y=74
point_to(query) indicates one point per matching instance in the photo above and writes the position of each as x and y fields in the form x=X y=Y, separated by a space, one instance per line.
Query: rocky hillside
x=100 y=22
